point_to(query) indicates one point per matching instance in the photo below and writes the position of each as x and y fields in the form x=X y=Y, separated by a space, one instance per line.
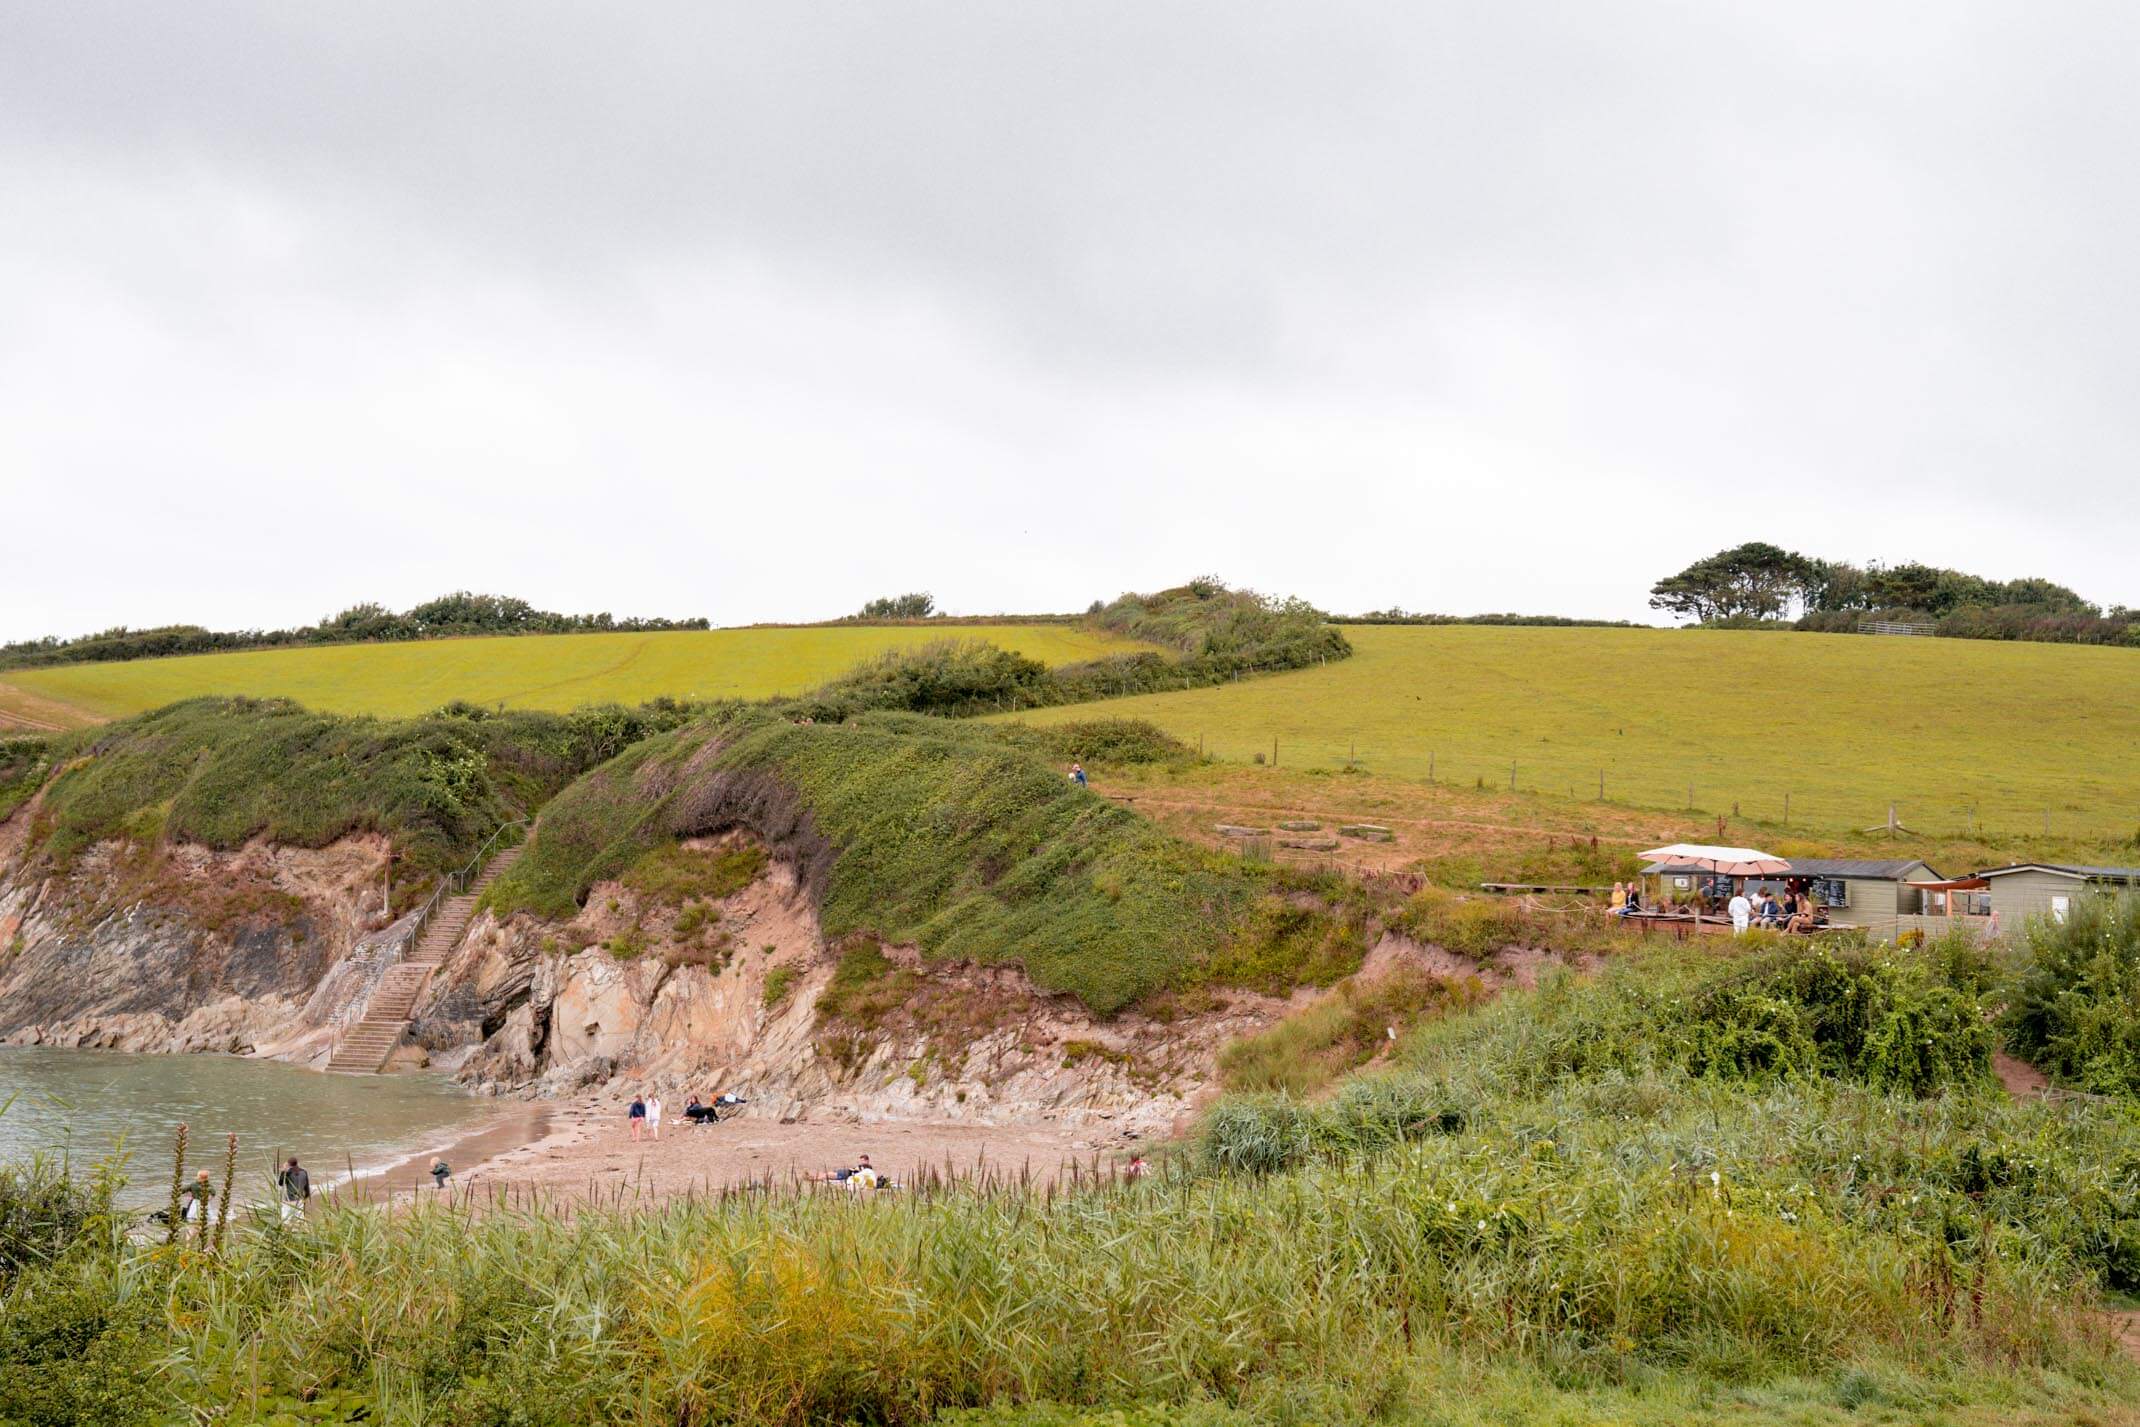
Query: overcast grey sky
x=757 y=311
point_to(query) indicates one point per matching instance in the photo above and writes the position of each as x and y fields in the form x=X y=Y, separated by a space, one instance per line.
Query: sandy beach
x=583 y=1150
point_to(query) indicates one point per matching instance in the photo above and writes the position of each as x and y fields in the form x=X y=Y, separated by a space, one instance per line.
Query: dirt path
x=2022 y=1080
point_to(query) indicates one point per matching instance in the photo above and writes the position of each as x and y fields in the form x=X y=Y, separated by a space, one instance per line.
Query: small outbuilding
x=2043 y=889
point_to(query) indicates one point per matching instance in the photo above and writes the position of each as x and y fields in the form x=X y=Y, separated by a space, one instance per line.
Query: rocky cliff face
x=185 y=949
x=620 y=997
x=267 y=950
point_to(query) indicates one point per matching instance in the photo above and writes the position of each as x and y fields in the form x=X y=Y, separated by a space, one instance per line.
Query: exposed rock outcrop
x=186 y=949
x=618 y=995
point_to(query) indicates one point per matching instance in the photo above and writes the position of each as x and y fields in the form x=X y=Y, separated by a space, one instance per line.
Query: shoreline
x=583 y=1153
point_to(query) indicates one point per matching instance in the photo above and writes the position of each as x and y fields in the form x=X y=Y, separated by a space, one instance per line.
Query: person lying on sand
x=862 y=1176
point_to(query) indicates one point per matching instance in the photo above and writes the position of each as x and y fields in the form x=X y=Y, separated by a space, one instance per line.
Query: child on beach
x=636 y=1116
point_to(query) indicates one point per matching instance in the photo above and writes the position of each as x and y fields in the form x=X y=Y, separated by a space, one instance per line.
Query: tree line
x=459 y=614
x=1759 y=583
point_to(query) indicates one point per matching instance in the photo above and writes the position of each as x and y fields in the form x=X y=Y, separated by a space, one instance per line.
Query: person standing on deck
x=1742 y=913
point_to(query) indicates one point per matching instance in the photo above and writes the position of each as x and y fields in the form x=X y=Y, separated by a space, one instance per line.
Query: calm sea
x=88 y=1105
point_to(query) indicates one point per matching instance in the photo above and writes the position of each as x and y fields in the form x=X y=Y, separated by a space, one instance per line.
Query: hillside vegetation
x=555 y=672
x=965 y=840
x=1208 y=634
x=1959 y=735
x=1555 y=1208
x=223 y=771
x=459 y=614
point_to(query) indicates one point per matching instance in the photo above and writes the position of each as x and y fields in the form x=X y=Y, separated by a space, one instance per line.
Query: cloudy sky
x=754 y=311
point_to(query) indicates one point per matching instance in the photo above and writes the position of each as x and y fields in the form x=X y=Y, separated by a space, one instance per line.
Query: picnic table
x=1683 y=925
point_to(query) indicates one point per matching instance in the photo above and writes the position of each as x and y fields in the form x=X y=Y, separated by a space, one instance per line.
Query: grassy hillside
x=962 y=838
x=529 y=671
x=1957 y=733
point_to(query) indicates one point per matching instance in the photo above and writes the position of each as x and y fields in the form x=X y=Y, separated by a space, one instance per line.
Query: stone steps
x=366 y=1047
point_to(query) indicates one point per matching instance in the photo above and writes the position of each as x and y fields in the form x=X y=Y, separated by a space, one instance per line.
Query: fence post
x=1274 y=750
x=1430 y=765
x=1512 y=775
x=1601 y=785
x=1786 y=809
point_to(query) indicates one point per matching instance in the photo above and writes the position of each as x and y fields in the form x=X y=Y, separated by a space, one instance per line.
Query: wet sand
x=588 y=1154
x=516 y=1124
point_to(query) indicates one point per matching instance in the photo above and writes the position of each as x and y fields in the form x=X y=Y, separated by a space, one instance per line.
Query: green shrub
x=1337 y=1033
x=2075 y=1008
x=672 y=874
x=75 y=1353
x=778 y=982
x=865 y=987
x=1104 y=741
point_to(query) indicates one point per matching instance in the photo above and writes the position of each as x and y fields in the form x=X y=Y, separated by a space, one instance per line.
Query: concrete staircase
x=366 y=1047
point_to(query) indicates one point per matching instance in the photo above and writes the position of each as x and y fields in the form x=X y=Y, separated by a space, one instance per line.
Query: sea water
x=87 y=1106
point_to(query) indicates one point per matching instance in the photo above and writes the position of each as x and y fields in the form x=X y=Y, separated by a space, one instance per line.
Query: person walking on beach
x=636 y=1115
x=653 y=1114
x=296 y=1186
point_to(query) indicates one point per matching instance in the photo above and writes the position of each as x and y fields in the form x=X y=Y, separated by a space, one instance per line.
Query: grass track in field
x=1956 y=732
x=559 y=672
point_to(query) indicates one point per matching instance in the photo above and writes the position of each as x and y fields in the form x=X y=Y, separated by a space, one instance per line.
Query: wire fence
x=1920 y=800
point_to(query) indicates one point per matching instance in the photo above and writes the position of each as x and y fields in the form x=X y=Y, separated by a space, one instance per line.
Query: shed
x=2045 y=889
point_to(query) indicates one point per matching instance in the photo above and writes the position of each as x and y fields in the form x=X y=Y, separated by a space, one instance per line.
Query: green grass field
x=557 y=672
x=1959 y=734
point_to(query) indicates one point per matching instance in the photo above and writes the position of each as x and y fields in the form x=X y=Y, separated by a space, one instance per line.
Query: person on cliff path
x=1077 y=775
x=653 y=1115
x=296 y=1186
x=636 y=1116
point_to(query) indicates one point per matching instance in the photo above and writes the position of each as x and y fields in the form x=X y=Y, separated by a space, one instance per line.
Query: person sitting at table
x=1805 y=914
x=1634 y=899
x=1618 y=905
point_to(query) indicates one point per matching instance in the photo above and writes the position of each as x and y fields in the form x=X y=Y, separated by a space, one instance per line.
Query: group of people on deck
x=1793 y=909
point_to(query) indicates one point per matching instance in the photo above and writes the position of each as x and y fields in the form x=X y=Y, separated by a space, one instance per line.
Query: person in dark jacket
x=295 y=1182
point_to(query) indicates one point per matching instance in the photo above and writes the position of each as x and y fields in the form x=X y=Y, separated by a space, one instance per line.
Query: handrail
x=452 y=883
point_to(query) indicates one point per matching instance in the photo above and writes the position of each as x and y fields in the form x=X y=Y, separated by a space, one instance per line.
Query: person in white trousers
x=653 y=1115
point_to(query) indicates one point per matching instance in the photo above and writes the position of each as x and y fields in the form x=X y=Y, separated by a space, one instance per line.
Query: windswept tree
x=914 y=606
x=1754 y=581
